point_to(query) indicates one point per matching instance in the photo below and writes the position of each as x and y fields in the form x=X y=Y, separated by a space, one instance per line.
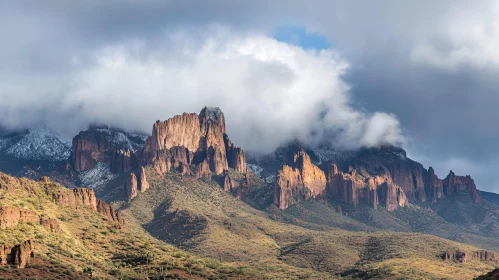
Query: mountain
x=300 y=212
x=36 y=144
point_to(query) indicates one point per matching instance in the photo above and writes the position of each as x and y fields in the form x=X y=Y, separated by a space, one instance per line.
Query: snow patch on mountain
x=97 y=177
x=39 y=143
x=134 y=141
x=255 y=169
x=325 y=155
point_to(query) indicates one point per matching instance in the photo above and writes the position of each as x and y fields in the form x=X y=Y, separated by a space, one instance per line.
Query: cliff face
x=379 y=177
x=12 y=216
x=105 y=145
x=301 y=181
x=193 y=139
x=18 y=255
x=354 y=186
x=135 y=184
x=417 y=183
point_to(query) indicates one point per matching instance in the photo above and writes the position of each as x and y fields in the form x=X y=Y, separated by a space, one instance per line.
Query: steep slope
x=199 y=216
x=72 y=235
x=37 y=144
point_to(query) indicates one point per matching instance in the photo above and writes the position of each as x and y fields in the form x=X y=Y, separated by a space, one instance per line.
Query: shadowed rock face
x=379 y=176
x=229 y=183
x=301 y=181
x=18 y=255
x=193 y=139
x=101 y=144
x=466 y=256
x=354 y=186
x=417 y=183
x=108 y=212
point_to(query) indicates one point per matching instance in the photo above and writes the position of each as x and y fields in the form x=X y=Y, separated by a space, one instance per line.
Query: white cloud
x=270 y=91
x=467 y=36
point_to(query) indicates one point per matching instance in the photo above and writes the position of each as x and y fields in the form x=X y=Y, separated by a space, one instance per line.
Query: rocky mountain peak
x=193 y=139
x=38 y=143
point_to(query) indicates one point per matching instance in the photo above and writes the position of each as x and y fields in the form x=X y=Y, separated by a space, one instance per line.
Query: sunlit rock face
x=193 y=139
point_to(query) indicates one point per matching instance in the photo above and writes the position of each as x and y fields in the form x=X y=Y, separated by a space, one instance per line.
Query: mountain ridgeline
x=308 y=212
x=198 y=145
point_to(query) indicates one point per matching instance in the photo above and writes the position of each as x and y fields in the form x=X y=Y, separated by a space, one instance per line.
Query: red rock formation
x=183 y=130
x=192 y=139
x=203 y=170
x=236 y=158
x=18 y=255
x=247 y=179
x=130 y=186
x=229 y=183
x=50 y=225
x=122 y=161
x=465 y=256
x=434 y=186
x=392 y=196
x=44 y=180
x=94 y=145
x=76 y=197
x=416 y=182
x=142 y=180
x=12 y=216
x=108 y=212
x=453 y=184
x=4 y=251
x=185 y=169
x=353 y=187
x=301 y=181
x=88 y=149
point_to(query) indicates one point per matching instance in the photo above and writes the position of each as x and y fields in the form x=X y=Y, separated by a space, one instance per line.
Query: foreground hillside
x=200 y=217
x=76 y=236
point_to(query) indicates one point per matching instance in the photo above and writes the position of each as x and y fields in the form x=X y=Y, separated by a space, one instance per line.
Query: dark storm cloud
x=430 y=63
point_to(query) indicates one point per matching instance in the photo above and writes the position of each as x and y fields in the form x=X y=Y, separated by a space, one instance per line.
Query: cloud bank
x=270 y=91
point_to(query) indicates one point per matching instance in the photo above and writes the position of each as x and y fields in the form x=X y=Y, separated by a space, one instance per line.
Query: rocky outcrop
x=463 y=257
x=51 y=225
x=4 y=251
x=142 y=180
x=135 y=184
x=203 y=170
x=192 y=139
x=75 y=197
x=301 y=181
x=86 y=197
x=236 y=158
x=101 y=144
x=391 y=196
x=352 y=187
x=18 y=255
x=89 y=148
x=229 y=183
x=131 y=189
x=416 y=182
x=11 y=216
x=453 y=184
x=44 y=180
x=434 y=186
x=247 y=178
x=108 y=212
x=123 y=160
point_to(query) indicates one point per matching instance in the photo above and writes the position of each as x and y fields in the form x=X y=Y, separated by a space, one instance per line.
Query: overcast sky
x=359 y=73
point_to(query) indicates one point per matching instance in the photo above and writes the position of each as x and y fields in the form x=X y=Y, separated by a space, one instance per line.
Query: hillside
x=200 y=217
x=73 y=238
